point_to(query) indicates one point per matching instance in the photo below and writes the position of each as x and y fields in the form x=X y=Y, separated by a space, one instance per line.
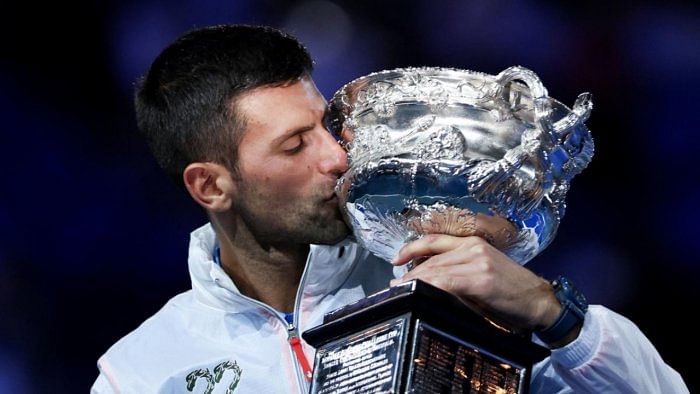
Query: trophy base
x=416 y=338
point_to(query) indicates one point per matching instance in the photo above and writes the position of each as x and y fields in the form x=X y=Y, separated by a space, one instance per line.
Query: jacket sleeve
x=611 y=355
x=102 y=386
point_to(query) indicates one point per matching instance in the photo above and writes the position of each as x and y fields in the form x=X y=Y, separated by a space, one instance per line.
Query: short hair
x=185 y=105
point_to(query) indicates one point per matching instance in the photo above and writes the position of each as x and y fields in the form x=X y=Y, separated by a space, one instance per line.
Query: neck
x=270 y=274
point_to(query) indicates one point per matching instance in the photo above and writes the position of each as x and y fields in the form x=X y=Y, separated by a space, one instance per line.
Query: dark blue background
x=94 y=237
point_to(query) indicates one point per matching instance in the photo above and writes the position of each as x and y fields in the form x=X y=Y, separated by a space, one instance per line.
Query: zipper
x=301 y=365
x=298 y=351
x=304 y=375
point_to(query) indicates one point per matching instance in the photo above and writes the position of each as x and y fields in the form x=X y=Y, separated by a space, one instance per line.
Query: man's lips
x=330 y=194
x=331 y=200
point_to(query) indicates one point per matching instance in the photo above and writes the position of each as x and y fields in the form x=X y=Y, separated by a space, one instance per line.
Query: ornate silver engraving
x=435 y=144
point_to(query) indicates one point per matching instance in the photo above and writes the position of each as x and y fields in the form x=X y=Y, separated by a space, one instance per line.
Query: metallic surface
x=436 y=150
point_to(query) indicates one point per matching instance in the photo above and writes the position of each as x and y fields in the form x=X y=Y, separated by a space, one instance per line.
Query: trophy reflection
x=434 y=150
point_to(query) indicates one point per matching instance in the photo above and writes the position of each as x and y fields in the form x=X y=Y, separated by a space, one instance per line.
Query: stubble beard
x=309 y=221
x=329 y=230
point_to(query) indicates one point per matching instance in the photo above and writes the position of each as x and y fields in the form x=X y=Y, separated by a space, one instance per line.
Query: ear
x=210 y=185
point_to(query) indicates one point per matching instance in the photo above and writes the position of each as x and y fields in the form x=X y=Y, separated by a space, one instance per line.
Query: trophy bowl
x=439 y=150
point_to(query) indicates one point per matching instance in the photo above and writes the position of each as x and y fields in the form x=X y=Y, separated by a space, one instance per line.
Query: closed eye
x=294 y=145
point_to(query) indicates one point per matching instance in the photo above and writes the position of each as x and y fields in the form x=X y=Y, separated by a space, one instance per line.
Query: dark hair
x=185 y=105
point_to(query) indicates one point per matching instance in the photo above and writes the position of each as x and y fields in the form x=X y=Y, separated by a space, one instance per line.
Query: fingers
x=433 y=244
x=481 y=276
x=433 y=264
x=444 y=282
x=446 y=272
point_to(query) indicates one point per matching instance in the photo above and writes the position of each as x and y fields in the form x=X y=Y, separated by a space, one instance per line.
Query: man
x=232 y=114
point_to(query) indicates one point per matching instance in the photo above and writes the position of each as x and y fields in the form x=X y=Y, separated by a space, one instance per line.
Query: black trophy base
x=416 y=338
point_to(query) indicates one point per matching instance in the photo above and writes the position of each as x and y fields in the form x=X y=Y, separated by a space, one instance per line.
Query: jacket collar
x=327 y=268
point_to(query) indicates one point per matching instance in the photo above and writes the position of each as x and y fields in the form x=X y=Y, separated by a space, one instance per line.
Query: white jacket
x=212 y=339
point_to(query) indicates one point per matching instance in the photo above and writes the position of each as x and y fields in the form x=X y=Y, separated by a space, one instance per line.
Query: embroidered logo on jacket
x=213 y=379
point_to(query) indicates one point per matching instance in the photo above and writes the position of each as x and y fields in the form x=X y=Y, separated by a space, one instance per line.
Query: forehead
x=279 y=108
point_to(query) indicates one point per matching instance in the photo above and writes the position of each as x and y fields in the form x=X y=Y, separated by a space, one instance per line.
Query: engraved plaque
x=367 y=362
x=446 y=364
x=416 y=338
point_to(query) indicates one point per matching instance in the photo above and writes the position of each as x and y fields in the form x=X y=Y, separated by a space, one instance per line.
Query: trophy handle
x=538 y=91
x=574 y=144
x=572 y=152
x=487 y=182
x=568 y=143
x=540 y=98
x=563 y=150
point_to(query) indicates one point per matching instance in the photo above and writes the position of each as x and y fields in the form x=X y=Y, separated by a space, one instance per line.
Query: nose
x=334 y=159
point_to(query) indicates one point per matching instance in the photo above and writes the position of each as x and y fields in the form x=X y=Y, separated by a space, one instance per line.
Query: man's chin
x=334 y=233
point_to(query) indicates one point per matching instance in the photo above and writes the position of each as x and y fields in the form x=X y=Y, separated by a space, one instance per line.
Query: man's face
x=288 y=167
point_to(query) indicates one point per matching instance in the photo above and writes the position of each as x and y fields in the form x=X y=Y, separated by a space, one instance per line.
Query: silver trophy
x=438 y=150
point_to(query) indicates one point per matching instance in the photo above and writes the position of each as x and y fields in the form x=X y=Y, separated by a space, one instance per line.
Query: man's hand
x=483 y=278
